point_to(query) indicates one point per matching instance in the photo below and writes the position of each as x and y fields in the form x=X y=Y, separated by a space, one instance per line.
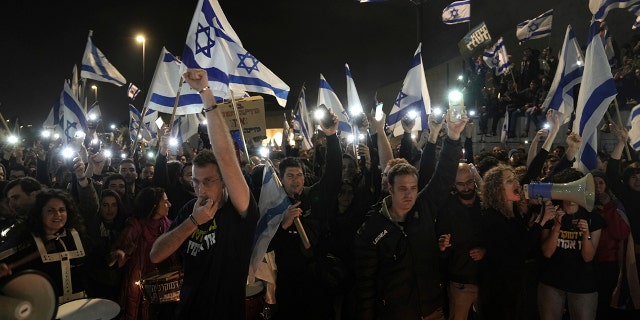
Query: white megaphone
x=581 y=191
x=27 y=295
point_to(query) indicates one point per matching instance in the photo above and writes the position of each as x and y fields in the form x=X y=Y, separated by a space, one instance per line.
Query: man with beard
x=461 y=240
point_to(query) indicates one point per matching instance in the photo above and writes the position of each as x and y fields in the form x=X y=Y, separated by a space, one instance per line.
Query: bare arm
x=384 y=147
x=550 y=237
x=621 y=135
x=221 y=143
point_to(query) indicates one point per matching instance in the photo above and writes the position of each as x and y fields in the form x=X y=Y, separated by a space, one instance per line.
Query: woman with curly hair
x=511 y=242
x=56 y=231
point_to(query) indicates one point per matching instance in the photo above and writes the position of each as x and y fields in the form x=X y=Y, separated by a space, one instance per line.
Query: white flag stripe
x=96 y=66
x=535 y=28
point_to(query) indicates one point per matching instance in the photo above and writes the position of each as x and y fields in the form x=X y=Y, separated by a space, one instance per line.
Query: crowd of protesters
x=417 y=229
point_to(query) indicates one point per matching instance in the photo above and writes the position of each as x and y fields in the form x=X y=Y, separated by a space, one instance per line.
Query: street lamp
x=95 y=92
x=140 y=38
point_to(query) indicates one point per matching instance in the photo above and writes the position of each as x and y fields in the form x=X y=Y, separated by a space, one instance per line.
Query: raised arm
x=221 y=142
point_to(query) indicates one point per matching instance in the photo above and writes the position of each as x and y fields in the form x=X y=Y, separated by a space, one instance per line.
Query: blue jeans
x=582 y=306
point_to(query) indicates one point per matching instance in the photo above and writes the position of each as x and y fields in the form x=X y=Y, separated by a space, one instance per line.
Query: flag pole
x=175 y=105
x=303 y=234
x=296 y=107
x=626 y=145
x=135 y=139
x=237 y=115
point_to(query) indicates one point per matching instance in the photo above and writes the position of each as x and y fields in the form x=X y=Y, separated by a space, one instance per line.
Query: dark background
x=297 y=39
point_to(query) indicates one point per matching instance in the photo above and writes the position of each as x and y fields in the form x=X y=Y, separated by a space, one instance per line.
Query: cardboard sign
x=251 y=117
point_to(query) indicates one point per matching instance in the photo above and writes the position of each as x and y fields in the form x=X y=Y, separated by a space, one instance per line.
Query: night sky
x=41 y=41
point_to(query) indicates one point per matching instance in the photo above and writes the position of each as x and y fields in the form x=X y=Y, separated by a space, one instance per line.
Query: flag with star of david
x=414 y=96
x=457 y=12
x=212 y=45
x=167 y=82
x=73 y=120
x=601 y=8
x=536 y=28
x=329 y=98
x=96 y=66
x=149 y=130
x=497 y=58
x=302 y=125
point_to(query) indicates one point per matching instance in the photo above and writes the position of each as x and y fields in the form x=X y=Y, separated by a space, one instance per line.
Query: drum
x=88 y=309
x=254 y=300
x=160 y=287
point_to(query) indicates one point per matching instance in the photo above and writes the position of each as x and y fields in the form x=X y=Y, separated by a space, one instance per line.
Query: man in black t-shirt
x=213 y=233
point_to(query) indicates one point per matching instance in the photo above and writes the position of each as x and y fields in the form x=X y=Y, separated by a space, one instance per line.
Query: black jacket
x=397 y=267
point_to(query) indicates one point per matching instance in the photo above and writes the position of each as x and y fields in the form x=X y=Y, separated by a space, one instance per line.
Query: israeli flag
x=457 y=12
x=597 y=90
x=302 y=125
x=353 y=100
x=497 y=58
x=272 y=203
x=186 y=126
x=414 y=97
x=634 y=133
x=96 y=66
x=148 y=130
x=212 y=46
x=167 y=83
x=635 y=10
x=328 y=97
x=74 y=120
x=568 y=74
x=536 y=28
x=601 y=8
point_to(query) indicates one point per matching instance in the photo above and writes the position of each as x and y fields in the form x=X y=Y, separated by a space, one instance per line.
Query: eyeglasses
x=206 y=182
x=469 y=184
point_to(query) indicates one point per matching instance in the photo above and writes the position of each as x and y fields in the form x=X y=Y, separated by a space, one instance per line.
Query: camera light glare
x=95 y=141
x=93 y=116
x=355 y=110
x=413 y=136
x=123 y=155
x=436 y=111
x=319 y=114
x=80 y=134
x=547 y=125
x=45 y=133
x=107 y=153
x=264 y=152
x=204 y=121
x=112 y=126
x=455 y=96
x=472 y=113
x=350 y=138
x=412 y=114
x=139 y=136
x=361 y=137
x=173 y=142
x=150 y=155
x=12 y=139
x=56 y=136
x=67 y=152
x=460 y=77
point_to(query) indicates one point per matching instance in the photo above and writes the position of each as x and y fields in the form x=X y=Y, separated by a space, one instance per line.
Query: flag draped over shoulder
x=73 y=119
x=568 y=74
x=634 y=133
x=165 y=85
x=272 y=203
x=538 y=27
x=96 y=66
x=457 y=12
x=302 y=125
x=212 y=45
x=597 y=90
x=600 y=8
x=497 y=58
x=328 y=97
x=414 y=96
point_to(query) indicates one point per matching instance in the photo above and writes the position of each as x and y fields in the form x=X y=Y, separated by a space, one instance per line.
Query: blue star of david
x=533 y=27
x=453 y=13
x=206 y=50
x=69 y=126
x=401 y=96
x=495 y=61
x=243 y=64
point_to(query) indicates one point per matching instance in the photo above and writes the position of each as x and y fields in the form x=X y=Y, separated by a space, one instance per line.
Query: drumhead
x=83 y=309
x=253 y=289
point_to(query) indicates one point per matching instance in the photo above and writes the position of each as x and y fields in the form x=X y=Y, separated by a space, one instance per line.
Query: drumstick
x=28 y=258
